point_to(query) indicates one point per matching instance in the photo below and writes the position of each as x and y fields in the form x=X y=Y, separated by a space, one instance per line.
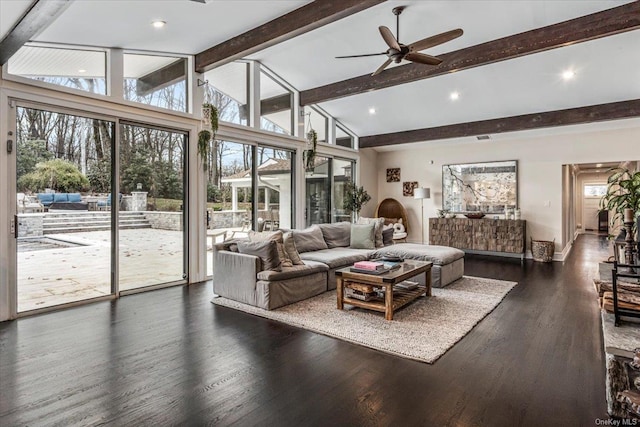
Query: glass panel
x=319 y=123
x=342 y=173
x=64 y=242
x=77 y=69
x=160 y=81
x=343 y=139
x=595 y=190
x=151 y=204
x=318 y=186
x=274 y=182
x=227 y=90
x=229 y=193
x=275 y=106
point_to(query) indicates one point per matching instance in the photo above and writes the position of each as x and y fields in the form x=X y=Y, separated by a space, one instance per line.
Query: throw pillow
x=387 y=236
x=337 y=235
x=378 y=222
x=363 y=236
x=310 y=239
x=290 y=248
x=276 y=236
x=267 y=251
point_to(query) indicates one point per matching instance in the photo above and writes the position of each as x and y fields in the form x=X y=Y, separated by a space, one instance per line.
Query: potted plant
x=208 y=132
x=310 y=154
x=623 y=192
x=355 y=198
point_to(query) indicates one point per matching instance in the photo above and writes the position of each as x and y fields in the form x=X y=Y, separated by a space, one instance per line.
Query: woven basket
x=543 y=250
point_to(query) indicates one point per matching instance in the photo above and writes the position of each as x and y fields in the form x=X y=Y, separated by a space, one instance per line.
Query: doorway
x=100 y=207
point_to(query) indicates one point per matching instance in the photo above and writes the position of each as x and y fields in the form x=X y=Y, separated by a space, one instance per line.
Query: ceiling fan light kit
x=398 y=51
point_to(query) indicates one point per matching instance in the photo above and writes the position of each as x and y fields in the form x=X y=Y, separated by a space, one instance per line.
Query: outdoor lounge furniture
x=63 y=201
x=105 y=205
x=323 y=248
x=28 y=204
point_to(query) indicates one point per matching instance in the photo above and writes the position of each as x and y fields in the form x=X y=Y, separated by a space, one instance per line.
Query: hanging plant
x=309 y=155
x=208 y=132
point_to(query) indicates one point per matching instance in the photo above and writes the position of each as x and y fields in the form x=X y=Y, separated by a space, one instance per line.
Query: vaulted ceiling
x=607 y=69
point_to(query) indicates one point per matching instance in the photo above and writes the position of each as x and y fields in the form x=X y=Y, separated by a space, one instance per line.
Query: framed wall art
x=393 y=175
x=408 y=187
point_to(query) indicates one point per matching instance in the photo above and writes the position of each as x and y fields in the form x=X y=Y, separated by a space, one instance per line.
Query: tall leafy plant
x=623 y=192
x=355 y=198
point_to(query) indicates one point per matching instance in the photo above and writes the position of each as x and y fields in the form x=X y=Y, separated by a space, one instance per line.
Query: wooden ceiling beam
x=601 y=24
x=37 y=18
x=306 y=18
x=161 y=78
x=571 y=116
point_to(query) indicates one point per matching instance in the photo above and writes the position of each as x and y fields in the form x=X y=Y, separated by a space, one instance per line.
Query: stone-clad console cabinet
x=484 y=235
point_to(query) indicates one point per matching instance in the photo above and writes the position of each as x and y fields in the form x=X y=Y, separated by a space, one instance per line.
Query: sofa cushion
x=267 y=251
x=60 y=197
x=304 y=269
x=74 y=198
x=309 y=239
x=379 y=222
x=337 y=257
x=45 y=198
x=276 y=236
x=363 y=236
x=337 y=235
x=290 y=248
x=387 y=236
x=439 y=255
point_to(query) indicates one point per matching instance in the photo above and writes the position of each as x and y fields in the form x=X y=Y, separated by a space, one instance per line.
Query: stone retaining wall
x=165 y=220
x=30 y=225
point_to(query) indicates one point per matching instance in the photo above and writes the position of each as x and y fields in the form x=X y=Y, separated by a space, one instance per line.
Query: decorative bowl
x=474 y=215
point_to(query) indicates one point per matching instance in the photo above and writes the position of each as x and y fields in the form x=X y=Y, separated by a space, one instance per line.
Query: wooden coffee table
x=390 y=303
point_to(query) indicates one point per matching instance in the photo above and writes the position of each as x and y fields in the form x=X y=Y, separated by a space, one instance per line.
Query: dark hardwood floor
x=170 y=357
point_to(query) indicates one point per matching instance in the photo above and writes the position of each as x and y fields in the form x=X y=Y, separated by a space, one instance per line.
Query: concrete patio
x=62 y=275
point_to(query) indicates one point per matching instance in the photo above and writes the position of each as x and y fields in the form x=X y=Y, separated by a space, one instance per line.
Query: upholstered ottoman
x=448 y=263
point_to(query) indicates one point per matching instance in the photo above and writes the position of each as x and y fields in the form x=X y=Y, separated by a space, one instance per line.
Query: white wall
x=540 y=159
x=369 y=179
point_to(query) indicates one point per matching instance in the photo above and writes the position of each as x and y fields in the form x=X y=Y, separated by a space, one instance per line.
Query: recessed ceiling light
x=372 y=110
x=159 y=24
x=454 y=96
x=82 y=71
x=568 y=74
x=598 y=165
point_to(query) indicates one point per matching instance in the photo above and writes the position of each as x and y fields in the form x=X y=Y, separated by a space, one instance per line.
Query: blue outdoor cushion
x=45 y=198
x=60 y=197
x=74 y=197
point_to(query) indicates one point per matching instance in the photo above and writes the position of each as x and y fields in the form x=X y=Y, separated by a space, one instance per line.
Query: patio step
x=74 y=222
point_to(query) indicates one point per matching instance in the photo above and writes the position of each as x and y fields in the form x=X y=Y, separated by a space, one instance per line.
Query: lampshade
x=422 y=193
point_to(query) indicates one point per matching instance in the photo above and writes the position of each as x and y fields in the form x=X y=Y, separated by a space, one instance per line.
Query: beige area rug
x=424 y=330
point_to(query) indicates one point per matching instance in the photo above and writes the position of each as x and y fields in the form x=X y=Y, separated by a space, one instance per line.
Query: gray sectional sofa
x=323 y=249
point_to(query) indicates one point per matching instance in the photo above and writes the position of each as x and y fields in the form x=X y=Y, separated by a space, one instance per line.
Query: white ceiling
x=607 y=70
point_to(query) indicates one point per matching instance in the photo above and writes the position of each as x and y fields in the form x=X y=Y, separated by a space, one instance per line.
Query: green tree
x=30 y=153
x=137 y=170
x=100 y=176
x=58 y=174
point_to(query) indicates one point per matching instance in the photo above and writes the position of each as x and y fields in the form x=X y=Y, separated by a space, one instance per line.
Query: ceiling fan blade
x=382 y=67
x=388 y=37
x=422 y=58
x=435 y=40
x=358 y=56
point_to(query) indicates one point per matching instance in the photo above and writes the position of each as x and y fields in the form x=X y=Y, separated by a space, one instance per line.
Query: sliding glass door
x=151 y=204
x=64 y=244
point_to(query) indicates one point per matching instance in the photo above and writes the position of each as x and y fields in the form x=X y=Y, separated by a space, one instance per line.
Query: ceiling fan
x=398 y=51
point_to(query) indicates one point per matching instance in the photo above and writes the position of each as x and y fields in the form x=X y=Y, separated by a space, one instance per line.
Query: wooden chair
x=626 y=303
x=392 y=210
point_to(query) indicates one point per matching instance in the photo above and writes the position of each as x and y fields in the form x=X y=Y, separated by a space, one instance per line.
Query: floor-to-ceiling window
x=151 y=204
x=342 y=174
x=63 y=238
x=318 y=189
